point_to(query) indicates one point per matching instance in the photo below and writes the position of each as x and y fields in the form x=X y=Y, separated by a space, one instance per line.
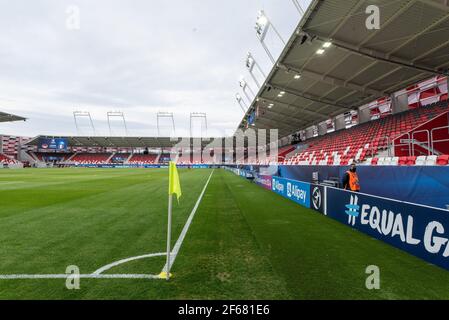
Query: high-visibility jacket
x=353 y=181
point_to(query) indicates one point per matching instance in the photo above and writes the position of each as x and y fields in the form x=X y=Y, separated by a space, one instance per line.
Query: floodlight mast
x=241 y=102
x=244 y=85
x=116 y=114
x=81 y=114
x=250 y=64
x=298 y=7
x=168 y=115
x=199 y=115
x=263 y=24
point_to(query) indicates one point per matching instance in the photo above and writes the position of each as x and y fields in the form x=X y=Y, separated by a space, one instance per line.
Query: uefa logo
x=317 y=198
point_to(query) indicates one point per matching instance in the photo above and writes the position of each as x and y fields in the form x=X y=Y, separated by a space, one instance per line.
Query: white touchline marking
x=81 y=276
x=114 y=264
x=175 y=250
x=98 y=273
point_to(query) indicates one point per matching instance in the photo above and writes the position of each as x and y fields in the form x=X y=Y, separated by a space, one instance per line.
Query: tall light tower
x=116 y=114
x=82 y=114
x=165 y=115
x=197 y=115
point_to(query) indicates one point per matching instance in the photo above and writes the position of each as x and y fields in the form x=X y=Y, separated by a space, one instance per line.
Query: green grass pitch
x=244 y=242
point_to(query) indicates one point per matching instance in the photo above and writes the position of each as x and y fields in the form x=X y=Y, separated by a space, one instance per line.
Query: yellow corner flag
x=174 y=186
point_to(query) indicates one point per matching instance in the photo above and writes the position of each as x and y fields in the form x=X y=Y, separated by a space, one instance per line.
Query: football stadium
x=332 y=184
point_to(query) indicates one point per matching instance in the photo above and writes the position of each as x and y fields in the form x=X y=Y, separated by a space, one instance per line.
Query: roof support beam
x=380 y=56
x=297 y=108
x=309 y=97
x=284 y=116
x=271 y=124
x=331 y=80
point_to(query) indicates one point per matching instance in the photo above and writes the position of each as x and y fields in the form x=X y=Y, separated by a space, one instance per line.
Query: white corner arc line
x=175 y=250
x=114 y=264
x=98 y=273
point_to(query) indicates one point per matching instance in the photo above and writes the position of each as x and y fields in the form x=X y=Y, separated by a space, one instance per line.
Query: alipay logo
x=353 y=210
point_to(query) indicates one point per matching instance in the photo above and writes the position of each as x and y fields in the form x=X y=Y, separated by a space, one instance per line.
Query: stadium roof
x=358 y=67
x=121 y=142
x=6 y=117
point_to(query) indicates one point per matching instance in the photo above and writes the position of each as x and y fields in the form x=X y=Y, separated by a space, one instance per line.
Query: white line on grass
x=174 y=252
x=98 y=273
x=81 y=276
x=114 y=264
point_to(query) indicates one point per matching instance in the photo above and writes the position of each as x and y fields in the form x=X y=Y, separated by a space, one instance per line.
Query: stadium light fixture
x=116 y=114
x=263 y=24
x=250 y=64
x=327 y=44
x=80 y=114
x=297 y=76
x=168 y=115
x=320 y=51
x=244 y=85
x=199 y=115
x=241 y=102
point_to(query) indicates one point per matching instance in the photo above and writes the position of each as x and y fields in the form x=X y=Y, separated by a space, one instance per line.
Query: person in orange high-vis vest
x=351 y=179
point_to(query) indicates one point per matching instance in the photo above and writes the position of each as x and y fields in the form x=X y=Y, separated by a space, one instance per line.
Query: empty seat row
x=442 y=160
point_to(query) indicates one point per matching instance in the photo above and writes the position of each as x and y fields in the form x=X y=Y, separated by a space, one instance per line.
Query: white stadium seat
x=431 y=160
x=394 y=161
x=421 y=161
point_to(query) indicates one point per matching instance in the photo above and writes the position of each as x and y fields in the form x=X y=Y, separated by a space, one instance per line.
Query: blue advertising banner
x=428 y=185
x=297 y=191
x=53 y=144
x=419 y=230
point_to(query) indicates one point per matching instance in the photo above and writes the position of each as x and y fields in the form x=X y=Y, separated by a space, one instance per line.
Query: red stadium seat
x=374 y=161
x=411 y=161
x=443 y=160
x=403 y=161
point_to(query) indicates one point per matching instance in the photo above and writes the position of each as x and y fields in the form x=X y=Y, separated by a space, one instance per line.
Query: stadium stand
x=365 y=140
x=143 y=159
x=7 y=160
x=91 y=158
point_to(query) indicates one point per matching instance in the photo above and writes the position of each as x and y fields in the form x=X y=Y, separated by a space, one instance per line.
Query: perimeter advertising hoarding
x=297 y=191
x=419 y=230
x=264 y=181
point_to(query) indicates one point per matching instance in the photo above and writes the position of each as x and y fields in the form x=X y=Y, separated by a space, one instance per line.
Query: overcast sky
x=139 y=57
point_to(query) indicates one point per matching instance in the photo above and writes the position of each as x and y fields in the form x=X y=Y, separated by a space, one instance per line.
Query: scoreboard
x=53 y=144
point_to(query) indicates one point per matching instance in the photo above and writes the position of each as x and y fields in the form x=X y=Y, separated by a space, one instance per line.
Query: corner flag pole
x=170 y=202
x=174 y=187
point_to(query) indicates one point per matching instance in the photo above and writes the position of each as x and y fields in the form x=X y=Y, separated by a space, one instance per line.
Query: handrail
x=408 y=144
x=414 y=143
x=432 y=139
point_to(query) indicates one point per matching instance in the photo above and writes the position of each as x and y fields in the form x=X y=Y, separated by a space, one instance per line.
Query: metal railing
x=421 y=143
x=440 y=140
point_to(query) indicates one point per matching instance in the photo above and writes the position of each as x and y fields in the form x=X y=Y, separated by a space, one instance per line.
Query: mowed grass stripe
x=322 y=259
x=95 y=230
x=220 y=258
x=244 y=243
